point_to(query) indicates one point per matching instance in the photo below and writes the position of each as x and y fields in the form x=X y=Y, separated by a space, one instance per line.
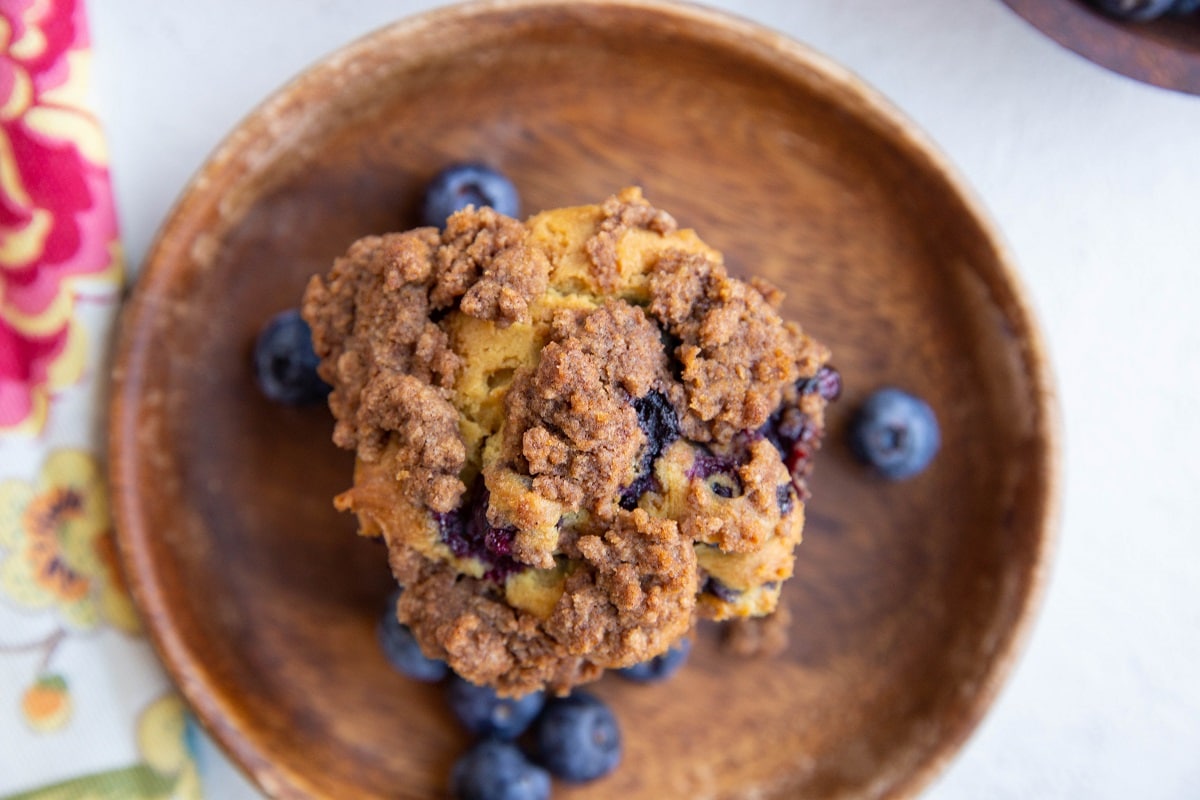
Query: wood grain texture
x=1164 y=52
x=910 y=599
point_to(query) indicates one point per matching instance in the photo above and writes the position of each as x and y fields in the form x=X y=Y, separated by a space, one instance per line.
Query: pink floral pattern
x=57 y=224
x=71 y=687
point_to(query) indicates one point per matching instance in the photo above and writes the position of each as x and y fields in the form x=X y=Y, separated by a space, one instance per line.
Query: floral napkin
x=86 y=712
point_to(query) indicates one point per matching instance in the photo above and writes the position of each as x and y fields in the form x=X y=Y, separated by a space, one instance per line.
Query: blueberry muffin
x=576 y=434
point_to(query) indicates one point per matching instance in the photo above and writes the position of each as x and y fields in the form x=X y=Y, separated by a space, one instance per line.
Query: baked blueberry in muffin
x=576 y=434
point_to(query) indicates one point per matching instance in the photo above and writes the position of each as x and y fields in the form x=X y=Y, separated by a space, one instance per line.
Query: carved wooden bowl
x=910 y=599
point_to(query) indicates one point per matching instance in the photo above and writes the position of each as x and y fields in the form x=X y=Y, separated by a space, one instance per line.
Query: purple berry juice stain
x=477 y=538
x=660 y=423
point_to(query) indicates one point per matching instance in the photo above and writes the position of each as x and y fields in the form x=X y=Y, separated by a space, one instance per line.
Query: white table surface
x=1094 y=180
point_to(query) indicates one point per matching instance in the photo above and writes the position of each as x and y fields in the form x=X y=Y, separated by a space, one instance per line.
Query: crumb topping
x=622 y=212
x=737 y=356
x=570 y=422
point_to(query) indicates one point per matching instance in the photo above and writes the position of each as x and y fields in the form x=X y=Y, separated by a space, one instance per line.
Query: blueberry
x=722 y=489
x=706 y=465
x=827 y=383
x=785 y=497
x=796 y=438
x=577 y=738
x=497 y=770
x=660 y=667
x=631 y=494
x=483 y=713
x=788 y=426
x=1185 y=7
x=719 y=472
x=896 y=433
x=660 y=423
x=468 y=534
x=720 y=590
x=462 y=185
x=658 y=420
x=1137 y=10
x=798 y=462
x=402 y=650
x=284 y=362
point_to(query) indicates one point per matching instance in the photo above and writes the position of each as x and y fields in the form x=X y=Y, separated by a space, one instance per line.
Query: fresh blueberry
x=462 y=185
x=497 y=770
x=483 y=713
x=1137 y=10
x=402 y=650
x=896 y=433
x=1185 y=7
x=284 y=362
x=577 y=738
x=660 y=667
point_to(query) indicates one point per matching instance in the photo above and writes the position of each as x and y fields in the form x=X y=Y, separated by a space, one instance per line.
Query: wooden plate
x=910 y=599
x=1164 y=52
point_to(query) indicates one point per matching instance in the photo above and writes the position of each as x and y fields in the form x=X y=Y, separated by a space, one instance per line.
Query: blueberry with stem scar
x=285 y=364
x=462 y=185
x=577 y=738
x=896 y=433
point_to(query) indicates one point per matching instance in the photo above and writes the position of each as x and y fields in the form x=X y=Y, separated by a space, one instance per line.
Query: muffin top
x=576 y=434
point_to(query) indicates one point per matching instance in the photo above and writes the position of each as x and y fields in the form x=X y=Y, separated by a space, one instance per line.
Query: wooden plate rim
x=748 y=40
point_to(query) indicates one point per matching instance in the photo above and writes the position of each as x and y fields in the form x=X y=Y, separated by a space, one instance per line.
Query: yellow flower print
x=167 y=770
x=162 y=737
x=56 y=545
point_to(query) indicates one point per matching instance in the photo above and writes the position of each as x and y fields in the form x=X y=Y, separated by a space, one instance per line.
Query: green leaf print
x=138 y=782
